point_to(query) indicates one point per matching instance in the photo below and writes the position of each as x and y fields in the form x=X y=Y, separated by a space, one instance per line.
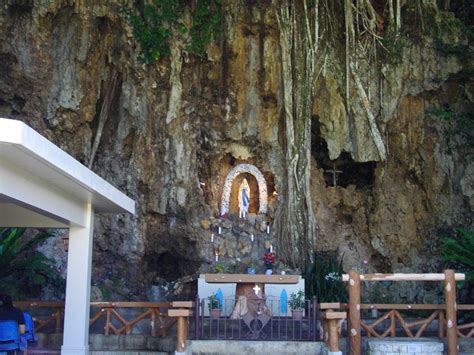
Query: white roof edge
x=18 y=133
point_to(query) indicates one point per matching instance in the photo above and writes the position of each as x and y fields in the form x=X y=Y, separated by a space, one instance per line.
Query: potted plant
x=297 y=304
x=251 y=268
x=269 y=260
x=220 y=268
x=214 y=309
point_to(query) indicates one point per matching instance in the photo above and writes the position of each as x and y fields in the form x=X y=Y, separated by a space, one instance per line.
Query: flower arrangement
x=269 y=259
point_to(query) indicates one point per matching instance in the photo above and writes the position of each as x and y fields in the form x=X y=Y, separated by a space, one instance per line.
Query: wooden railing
x=115 y=322
x=393 y=314
x=157 y=312
x=55 y=314
x=444 y=313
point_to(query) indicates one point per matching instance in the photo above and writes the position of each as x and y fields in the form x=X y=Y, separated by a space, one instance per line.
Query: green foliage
x=323 y=278
x=155 y=22
x=296 y=301
x=23 y=270
x=458 y=251
x=458 y=124
x=251 y=264
x=220 y=268
x=107 y=287
x=213 y=302
x=152 y=27
x=206 y=25
x=452 y=36
x=394 y=48
x=446 y=24
x=106 y=292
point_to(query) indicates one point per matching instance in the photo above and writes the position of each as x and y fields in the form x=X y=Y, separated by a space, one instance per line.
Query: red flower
x=269 y=259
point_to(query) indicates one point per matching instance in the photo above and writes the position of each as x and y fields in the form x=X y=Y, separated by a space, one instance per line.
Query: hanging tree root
x=377 y=137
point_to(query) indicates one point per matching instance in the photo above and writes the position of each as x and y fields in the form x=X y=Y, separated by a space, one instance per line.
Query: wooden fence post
x=182 y=315
x=441 y=324
x=58 y=318
x=181 y=334
x=331 y=329
x=451 y=320
x=354 y=312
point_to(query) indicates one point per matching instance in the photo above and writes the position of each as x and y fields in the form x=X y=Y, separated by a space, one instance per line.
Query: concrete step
x=466 y=346
x=112 y=344
x=217 y=347
x=115 y=352
x=128 y=352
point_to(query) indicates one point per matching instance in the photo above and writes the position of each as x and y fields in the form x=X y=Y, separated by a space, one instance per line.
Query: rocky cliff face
x=173 y=130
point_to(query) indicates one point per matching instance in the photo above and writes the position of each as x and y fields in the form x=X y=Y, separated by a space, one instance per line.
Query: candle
x=271 y=248
x=251 y=238
x=217 y=257
x=212 y=238
x=268 y=229
x=219 y=230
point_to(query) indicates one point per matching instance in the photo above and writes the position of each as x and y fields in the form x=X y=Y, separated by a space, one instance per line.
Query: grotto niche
x=258 y=195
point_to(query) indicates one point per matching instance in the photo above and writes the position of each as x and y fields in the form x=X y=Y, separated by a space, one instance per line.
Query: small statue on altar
x=244 y=198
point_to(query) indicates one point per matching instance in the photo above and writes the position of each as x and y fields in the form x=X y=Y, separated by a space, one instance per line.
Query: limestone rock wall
x=177 y=127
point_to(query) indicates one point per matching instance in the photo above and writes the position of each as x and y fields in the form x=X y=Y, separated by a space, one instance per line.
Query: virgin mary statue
x=244 y=198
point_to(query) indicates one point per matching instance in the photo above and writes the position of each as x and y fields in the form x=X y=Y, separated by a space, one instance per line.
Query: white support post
x=78 y=286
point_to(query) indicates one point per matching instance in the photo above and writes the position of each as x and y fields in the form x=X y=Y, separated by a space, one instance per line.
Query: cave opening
x=171 y=265
x=343 y=171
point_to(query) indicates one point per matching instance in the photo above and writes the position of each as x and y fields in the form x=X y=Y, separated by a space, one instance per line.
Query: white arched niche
x=262 y=187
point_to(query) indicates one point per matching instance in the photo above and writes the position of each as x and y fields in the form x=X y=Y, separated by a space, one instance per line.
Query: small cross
x=334 y=173
x=256 y=289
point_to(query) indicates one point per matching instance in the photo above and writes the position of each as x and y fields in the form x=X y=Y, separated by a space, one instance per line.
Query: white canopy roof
x=41 y=183
x=42 y=186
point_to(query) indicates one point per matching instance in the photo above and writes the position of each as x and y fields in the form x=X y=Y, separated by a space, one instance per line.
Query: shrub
x=458 y=251
x=323 y=278
x=24 y=271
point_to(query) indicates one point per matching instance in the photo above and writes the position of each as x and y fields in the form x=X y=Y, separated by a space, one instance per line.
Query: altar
x=271 y=290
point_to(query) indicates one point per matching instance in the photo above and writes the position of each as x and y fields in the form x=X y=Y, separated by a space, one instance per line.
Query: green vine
x=458 y=124
x=452 y=36
x=206 y=25
x=154 y=24
x=458 y=251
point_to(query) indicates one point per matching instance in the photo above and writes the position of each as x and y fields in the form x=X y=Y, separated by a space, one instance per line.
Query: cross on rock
x=334 y=173
x=256 y=289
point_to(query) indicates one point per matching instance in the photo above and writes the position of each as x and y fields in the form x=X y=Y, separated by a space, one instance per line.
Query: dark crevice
x=18 y=102
x=347 y=171
x=20 y=8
